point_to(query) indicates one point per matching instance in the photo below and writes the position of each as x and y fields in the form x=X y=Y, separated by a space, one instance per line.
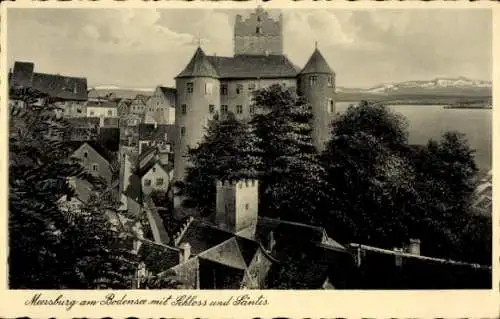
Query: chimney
x=414 y=247
x=398 y=256
x=184 y=252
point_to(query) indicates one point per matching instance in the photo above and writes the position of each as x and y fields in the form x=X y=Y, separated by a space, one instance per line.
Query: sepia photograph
x=249 y=148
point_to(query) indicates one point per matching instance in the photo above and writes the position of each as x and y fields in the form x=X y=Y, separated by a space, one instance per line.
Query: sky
x=143 y=48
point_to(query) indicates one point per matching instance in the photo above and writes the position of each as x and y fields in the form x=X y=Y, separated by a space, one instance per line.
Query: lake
x=431 y=121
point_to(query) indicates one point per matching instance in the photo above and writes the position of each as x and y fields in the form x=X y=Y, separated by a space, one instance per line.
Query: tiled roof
x=316 y=64
x=202 y=236
x=168 y=91
x=227 y=253
x=149 y=132
x=62 y=87
x=83 y=189
x=199 y=66
x=254 y=66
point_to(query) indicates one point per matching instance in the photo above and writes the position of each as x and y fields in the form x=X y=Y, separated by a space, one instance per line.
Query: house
x=95 y=159
x=156 y=176
x=129 y=129
x=160 y=107
x=138 y=105
x=161 y=136
x=83 y=129
x=124 y=107
x=484 y=192
x=102 y=109
x=67 y=92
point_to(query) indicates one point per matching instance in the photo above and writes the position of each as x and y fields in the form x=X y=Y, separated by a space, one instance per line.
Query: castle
x=216 y=84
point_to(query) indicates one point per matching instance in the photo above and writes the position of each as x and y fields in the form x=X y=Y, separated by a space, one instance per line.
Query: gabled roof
x=254 y=66
x=199 y=66
x=166 y=91
x=317 y=64
x=107 y=155
x=149 y=132
x=62 y=87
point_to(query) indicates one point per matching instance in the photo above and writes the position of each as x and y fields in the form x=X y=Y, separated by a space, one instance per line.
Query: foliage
x=227 y=152
x=387 y=191
x=292 y=179
x=49 y=248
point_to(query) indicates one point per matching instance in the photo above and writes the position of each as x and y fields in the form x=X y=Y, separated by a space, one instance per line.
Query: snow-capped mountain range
x=438 y=87
x=446 y=84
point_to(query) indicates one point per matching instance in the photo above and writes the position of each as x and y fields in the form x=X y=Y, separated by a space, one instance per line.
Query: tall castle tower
x=316 y=83
x=198 y=99
x=260 y=34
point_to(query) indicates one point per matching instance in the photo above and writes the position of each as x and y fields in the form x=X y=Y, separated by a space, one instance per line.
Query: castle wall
x=258 y=45
x=245 y=98
x=191 y=124
x=319 y=96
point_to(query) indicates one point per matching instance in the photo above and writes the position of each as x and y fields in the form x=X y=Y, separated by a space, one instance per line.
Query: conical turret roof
x=199 y=66
x=316 y=64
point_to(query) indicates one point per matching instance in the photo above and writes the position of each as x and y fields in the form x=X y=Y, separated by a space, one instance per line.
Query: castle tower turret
x=237 y=204
x=260 y=34
x=198 y=100
x=316 y=83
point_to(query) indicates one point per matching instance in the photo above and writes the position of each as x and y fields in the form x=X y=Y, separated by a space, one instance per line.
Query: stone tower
x=316 y=83
x=259 y=34
x=198 y=100
x=237 y=204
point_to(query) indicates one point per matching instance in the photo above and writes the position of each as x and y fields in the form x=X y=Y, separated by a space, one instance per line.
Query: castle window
x=147 y=182
x=313 y=79
x=247 y=206
x=239 y=88
x=159 y=181
x=223 y=89
x=331 y=106
x=239 y=109
x=251 y=86
x=208 y=88
x=183 y=108
x=183 y=131
x=211 y=108
x=95 y=167
x=189 y=87
x=251 y=109
x=330 y=81
x=223 y=109
x=258 y=30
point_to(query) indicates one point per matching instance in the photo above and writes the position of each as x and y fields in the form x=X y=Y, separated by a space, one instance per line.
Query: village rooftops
x=55 y=85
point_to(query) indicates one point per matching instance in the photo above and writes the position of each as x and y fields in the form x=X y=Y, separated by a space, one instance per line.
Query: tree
x=227 y=152
x=292 y=179
x=45 y=243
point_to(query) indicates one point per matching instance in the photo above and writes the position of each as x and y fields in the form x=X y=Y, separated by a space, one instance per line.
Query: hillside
x=439 y=90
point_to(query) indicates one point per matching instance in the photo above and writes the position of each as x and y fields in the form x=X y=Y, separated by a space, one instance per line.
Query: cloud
x=129 y=31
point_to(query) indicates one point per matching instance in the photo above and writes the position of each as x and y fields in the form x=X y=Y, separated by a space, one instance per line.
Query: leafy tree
x=227 y=152
x=292 y=178
x=48 y=248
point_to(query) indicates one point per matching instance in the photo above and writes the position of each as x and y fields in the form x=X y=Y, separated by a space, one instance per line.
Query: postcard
x=236 y=159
